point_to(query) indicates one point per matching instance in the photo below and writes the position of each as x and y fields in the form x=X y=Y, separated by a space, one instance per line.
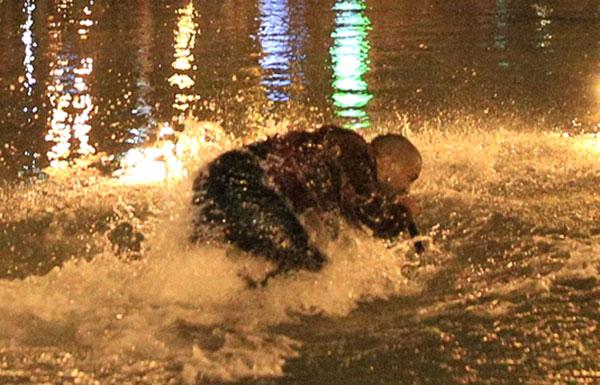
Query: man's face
x=396 y=175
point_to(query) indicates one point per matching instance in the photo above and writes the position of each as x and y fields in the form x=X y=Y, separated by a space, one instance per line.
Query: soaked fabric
x=254 y=194
x=254 y=217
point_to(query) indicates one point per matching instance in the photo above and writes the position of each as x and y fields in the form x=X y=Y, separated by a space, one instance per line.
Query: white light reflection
x=69 y=96
x=543 y=12
x=183 y=61
x=28 y=40
x=587 y=143
x=501 y=24
x=28 y=81
x=501 y=34
x=350 y=59
x=143 y=109
x=161 y=161
x=591 y=142
x=276 y=43
x=165 y=161
x=150 y=165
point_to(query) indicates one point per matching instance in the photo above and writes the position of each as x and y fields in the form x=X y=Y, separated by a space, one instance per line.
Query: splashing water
x=180 y=303
x=183 y=311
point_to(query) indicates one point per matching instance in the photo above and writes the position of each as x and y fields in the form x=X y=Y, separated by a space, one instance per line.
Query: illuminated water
x=108 y=108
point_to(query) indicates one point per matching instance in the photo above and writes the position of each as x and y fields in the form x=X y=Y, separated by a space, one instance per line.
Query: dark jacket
x=331 y=168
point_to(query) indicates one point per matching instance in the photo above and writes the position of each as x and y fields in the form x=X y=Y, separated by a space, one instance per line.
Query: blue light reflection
x=276 y=43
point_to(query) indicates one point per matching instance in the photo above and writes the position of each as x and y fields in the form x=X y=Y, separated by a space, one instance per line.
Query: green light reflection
x=350 y=62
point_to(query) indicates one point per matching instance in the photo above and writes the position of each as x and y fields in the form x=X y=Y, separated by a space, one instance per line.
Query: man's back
x=311 y=168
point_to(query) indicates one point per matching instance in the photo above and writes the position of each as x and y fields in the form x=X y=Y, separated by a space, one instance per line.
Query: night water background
x=108 y=108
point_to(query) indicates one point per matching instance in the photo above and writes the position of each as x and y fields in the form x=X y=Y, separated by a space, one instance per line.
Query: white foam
x=111 y=306
x=188 y=303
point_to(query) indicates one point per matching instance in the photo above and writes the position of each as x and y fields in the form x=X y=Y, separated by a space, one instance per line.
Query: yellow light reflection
x=162 y=162
x=591 y=142
x=166 y=160
x=586 y=143
x=594 y=89
x=183 y=61
x=143 y=109
x=150 y=165
x=70 y=99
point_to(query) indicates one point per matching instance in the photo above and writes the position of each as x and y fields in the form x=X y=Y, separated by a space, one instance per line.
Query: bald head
x=398 y=163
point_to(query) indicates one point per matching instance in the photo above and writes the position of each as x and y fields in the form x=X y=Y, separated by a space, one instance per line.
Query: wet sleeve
x=385 y=219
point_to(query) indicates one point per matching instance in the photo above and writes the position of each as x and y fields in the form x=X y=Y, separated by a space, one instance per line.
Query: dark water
x=81 y=77
x=107 y=108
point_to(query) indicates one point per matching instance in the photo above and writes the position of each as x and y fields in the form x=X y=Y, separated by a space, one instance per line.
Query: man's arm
x=386 y=219
x=360 y=197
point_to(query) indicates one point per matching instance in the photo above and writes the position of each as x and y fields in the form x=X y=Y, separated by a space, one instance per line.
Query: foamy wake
x=189 y=304
x=184 y=303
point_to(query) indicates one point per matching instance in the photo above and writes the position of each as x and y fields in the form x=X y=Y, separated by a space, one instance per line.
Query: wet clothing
x=254 y=194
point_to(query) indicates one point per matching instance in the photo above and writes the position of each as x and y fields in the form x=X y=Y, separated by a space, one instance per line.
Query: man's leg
x=254 y=217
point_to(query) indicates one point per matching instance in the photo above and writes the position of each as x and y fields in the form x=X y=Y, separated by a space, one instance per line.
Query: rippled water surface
x=108 y=108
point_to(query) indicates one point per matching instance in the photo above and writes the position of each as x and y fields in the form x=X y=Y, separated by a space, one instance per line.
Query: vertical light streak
x=500 y=36
x=28 y=80
x=543 y=12
x=276 y=44
x=142 y=108
x=500 y=39
x=159 y=162
x=350 y=61
x=68 y=93
x=183 y=61
x=29 y=42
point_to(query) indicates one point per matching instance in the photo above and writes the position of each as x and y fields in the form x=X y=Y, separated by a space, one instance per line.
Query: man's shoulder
x=333 y=131
x=330 y=136
x=346 y=140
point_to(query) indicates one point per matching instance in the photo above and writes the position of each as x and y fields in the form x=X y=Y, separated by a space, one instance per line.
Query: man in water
x=253 y=195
